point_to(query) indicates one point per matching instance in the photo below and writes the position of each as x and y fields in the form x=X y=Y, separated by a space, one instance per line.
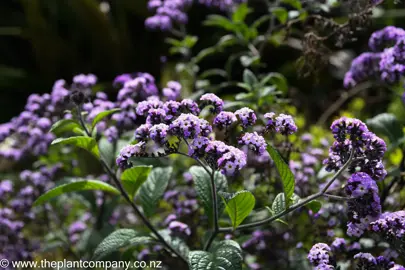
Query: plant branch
x=295 y=206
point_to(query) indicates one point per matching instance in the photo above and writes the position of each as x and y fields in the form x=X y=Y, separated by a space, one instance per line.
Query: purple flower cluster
x=283 y=123
x=246 y=116
x=168 y=14
x=224 y=120
x=367 y=261
x=232 y=161
x=158 y=133
x=391 y=226
x=214 y=101
x=320 y=256
x=353 y=135
x=256 y=142
x=225 y=5
x=189 y=126
x=364 y=206
x=387 y=61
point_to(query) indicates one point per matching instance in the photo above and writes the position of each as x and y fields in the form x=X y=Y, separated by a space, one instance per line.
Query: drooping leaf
x=153 y=189
x=133 y=178
x=226 y=255
x=240 y=13
x=240 y=206
x=220 y=21
x=386 y=124
x=84 y=142
x=203 y=187
x=287 y=177
x=276 y=79
x=75 y=186
x=280 y=13
x=66 y=125
x=119 y=239
x=102 y=115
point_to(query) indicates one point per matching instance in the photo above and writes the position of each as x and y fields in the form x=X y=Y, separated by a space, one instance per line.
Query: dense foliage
x=216 y=169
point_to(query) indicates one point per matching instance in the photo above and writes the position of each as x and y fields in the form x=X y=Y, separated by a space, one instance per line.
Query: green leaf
x=176 y=242
x=294 y=3
x=153 y=189
x=314 y=205
x=133 y=178
x=277 y=80
x=386 y=124
x=249 y=78
x=119 y=239
x=84 y=142
x=281 y=14
x=203 y=187
x=240 y=13
x=102 y=115
x=240 y=206
x=75 y=186
x=278 y=205
x=107 y=151
x=66 y=125
x=226 y=255
x=220 y=21
x=287 y=177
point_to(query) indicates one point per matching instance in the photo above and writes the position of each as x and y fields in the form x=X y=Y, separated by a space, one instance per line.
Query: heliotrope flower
x=232 y=161
x=143 y=107
x=156 y=116
x=224 y=119
x=214 y=101
x=190 y=106
x=319 y=254
x=172 y=109
x=385 y=38
x=129 y=151
x=391 y=226
x=285 y=124
x=198 y=146
x=142 y=132
x=364 y=206
x=158 y=133
x=246 y=116
x=189 y=126
x=172 y=90
x=256 y=142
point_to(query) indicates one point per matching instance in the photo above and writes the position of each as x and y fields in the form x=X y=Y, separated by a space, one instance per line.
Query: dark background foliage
x=44 y=40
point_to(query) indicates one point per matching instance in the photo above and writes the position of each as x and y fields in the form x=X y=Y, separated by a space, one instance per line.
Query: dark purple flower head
x=189 y=106
x=129 y=151
x=232 y=161
x=177 y=227
x=390 y=225
x=198 y=146
x=158 y=133
x=364 y=206
x=246 y=116
x=189 y=126
x=365 y=66
x=385 y=38
x=172 y=109
x=256 y=142
x=214 y=101
x=319 y=254
x=285 y=124
x=142 y=132
x=156 y=116
x=224 y=119
x=271 y=120
x=143 y=107
x=339 y=244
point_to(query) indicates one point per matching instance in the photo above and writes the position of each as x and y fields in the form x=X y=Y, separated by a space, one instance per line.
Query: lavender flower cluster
x=364 y=206
x=172 y=13
x=181 y=120
x=352 y=135
x=385 y=63
x=391 y=226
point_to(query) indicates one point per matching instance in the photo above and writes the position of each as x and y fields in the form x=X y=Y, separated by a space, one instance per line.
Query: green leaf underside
x=83 y=142
x=65 y=125
x=75 y=186
x=278 y=205
x=102 y=115
x=203 y=187
x=133 y=178
x=153 y=189
x=386 y=124
x=119 y=239
x=240 y=206
x=287 y=177
x=226 y=255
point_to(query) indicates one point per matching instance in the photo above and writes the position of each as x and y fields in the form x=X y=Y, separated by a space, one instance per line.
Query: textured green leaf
x=121 y=238
x=203 y=187
x=84 y=142
x=287 y=177
x=226 y=255
x=278 y=205
x=177 y=243
x=66 y=125
x=107 y=151
x=240 y=206
x=75 y=186
x=133 y=178
x=153 y=189
x=386 y=124
x=102 y=115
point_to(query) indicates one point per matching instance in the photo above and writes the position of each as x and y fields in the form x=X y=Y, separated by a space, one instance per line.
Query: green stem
x=131 y=202
x=293 y=207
